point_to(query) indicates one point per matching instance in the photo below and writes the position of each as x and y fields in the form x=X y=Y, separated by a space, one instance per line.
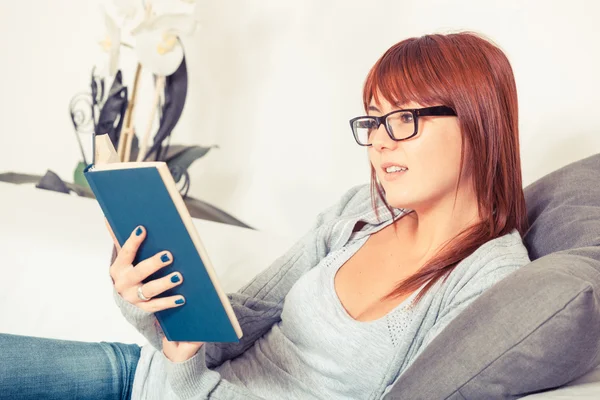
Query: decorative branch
x=124 y=147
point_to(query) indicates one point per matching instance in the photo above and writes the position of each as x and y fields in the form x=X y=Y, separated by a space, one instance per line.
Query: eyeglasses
x=399 y=124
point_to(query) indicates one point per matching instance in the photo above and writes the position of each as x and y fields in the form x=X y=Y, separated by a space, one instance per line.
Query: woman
x=345 y=311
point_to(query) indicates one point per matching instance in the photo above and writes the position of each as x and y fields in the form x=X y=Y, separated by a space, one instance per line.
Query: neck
x=429 y=227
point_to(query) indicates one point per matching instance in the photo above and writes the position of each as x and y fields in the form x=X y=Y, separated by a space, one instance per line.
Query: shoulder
x=489 y=264
x=356 y=200
x=507 y=251
x=353 y=202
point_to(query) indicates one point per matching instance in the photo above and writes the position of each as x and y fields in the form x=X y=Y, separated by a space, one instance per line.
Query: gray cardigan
x=258 y=305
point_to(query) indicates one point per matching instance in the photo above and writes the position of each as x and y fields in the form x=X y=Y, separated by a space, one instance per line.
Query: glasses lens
x=401 y=124
x=363 y=127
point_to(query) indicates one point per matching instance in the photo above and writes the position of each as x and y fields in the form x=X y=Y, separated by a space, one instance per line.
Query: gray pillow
x=539 y=328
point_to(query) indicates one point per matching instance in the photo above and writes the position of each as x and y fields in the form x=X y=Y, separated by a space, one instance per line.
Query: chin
x=397 y=197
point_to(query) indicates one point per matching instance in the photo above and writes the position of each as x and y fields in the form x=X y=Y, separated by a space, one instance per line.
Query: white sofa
x=55 y=253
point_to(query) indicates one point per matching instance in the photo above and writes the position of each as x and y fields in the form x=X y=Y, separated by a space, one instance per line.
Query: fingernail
x=138 y=231
x=175 y=278
x=179 y=301
x=164 y=258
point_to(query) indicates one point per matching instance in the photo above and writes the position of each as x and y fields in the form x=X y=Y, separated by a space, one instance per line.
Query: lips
x=386 y=165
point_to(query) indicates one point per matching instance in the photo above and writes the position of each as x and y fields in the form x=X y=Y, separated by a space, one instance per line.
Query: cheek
x=440 y=157
x=373 y=159
x=434 y=156
x=429 y=160
x=440 y=148
x=434 y=167
x=433 y=159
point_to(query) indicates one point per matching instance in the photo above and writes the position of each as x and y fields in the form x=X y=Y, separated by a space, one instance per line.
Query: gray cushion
x=539 y=328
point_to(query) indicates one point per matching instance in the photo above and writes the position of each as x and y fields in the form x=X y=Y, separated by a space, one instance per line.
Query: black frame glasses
x=434 y=111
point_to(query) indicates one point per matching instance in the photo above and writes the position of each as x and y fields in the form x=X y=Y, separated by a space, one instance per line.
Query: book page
x=104 y=151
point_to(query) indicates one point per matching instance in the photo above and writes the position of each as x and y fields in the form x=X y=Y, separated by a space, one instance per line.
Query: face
x=432 y=159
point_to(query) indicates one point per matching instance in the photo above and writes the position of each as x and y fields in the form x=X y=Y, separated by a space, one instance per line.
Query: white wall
x=274 y=84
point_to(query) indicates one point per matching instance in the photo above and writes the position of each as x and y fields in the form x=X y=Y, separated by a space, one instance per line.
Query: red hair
x=474 y=77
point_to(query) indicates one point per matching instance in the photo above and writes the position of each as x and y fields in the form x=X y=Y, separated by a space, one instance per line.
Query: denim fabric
x=40 y=368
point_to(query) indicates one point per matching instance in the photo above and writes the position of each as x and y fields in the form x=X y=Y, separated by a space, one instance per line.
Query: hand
x=180 y=351
x=128 y=278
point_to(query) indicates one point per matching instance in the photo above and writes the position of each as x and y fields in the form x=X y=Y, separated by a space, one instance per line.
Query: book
x=145 y=193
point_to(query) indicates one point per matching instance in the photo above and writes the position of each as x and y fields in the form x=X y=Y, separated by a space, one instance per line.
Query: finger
x=162 y=303
x=112 y=234
x=147 y=267
x=161 y=285
x=131 y=246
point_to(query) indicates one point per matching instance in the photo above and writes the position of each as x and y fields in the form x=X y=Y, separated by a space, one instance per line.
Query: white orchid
x=157 y=44
x=111 y=43
x=127 y=8
x=157 y=27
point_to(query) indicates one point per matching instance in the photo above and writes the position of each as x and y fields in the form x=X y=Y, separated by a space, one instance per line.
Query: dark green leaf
x=183 y=159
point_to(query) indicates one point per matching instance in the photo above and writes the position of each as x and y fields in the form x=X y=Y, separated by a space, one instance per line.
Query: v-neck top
x=318 y=350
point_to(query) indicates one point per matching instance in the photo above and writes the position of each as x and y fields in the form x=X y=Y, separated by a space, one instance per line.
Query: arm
x=145 y=322
x=192 y=380
x=259 y=303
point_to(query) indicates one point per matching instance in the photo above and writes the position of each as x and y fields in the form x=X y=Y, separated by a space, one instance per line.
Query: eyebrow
x=373 y=108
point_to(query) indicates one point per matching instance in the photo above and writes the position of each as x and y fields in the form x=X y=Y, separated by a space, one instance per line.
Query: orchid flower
x=157 y=26
x=119 y=13
x=111 y=43
x=157 y=44
x=127 y=8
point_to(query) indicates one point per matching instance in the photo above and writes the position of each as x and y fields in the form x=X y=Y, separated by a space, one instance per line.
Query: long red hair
x=474 y=77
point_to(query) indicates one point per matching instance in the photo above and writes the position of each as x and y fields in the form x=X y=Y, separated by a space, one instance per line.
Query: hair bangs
x=407 y=73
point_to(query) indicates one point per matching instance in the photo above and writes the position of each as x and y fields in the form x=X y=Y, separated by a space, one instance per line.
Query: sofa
x=536 y=333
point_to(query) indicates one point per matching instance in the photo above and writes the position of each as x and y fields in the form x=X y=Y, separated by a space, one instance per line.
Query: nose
x=381 y=140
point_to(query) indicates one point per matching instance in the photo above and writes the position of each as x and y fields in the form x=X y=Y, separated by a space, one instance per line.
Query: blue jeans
x=39 y=368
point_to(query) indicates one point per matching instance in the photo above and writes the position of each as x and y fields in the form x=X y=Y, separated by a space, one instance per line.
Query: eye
x=365 y=124
x=406 y=118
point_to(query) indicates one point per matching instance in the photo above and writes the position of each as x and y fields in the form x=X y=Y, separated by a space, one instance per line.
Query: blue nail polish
x=175 y=278
x=138 y=231
x=179 y=301
x=164 y=258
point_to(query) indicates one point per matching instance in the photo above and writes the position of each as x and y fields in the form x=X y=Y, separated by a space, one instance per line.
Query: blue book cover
x=132 y=194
